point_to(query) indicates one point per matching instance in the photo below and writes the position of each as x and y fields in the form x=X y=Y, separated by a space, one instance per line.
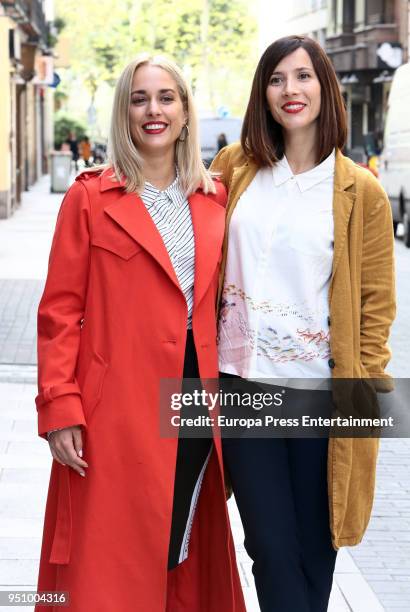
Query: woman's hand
x=66 y=448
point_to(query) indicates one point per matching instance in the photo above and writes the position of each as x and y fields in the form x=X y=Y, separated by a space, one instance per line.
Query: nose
x=291 y=86
x=153 y=107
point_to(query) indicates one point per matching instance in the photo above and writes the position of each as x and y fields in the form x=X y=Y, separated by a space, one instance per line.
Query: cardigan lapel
x=242 y=177
x=343 y=200
x=208 y=220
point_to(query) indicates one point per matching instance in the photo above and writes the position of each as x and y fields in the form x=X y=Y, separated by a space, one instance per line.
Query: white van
x=394 y=168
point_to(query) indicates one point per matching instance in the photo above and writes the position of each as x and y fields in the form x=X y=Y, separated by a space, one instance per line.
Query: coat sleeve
x=378 y=295
x=60 y=313
x=221 y=195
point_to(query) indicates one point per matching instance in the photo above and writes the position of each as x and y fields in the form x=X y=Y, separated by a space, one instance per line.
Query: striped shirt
x=171 y=214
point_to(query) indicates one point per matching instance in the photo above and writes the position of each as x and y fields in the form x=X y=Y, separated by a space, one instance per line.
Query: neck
x=159 y=170
x=300 y=149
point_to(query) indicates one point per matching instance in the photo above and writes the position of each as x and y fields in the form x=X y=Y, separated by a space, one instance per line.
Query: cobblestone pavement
x=372 y=577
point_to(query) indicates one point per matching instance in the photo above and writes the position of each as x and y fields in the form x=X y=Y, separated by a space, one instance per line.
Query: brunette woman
x=307 y=292
x=134 y=522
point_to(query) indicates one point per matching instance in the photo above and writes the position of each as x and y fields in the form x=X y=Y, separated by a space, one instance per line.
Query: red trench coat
x=111 y=324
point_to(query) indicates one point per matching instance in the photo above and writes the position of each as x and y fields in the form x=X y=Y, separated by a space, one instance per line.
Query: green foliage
x=59 y=24
x=53 y=31
x=214 y=40
x=63 y=125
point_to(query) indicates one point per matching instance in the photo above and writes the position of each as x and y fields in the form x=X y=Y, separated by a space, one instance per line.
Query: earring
x=184 y=133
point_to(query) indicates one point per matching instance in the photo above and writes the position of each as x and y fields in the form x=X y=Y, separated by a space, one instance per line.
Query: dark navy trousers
x=280 y=487
x=191 y=456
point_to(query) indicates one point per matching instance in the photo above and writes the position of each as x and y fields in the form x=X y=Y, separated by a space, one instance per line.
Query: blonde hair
x=123 y=155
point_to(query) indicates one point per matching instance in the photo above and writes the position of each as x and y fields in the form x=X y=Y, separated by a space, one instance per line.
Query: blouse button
x=331 y=363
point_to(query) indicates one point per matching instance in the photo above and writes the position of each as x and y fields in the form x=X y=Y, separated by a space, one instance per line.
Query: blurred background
x=59 y=61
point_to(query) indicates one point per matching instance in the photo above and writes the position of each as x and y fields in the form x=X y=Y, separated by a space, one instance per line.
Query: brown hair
x=262 y=137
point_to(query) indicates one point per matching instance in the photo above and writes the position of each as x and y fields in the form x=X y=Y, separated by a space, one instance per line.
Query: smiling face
x=293 y=92
x=156 y=111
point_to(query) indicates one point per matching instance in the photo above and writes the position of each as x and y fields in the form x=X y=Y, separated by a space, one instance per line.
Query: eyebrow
x=143 y=91
x=295 y=70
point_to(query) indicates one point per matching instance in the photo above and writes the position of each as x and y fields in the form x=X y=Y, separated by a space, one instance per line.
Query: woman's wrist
x=53 y=430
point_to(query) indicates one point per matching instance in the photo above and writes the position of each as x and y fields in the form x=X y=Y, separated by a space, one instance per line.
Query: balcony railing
x=29 y=15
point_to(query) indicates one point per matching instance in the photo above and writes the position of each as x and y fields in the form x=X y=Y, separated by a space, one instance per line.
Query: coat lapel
x=208 y=219
x=343 y=200
x=131 y=214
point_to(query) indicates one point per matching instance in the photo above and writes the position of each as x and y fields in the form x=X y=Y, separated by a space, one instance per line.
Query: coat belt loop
x=61 y=547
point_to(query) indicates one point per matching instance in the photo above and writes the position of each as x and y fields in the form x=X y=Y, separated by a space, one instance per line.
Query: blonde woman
x=134 y=522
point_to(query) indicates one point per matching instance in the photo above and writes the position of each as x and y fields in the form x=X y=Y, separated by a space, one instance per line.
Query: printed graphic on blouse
x=278 y=346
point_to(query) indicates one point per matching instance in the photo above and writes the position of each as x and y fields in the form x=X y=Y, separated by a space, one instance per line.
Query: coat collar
x=109 y=181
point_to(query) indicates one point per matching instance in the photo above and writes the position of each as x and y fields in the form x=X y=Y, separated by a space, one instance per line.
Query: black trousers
x=280 y=487
x=191 y=456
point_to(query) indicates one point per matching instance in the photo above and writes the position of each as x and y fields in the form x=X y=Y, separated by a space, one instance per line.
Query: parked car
x=394 y=167
x=212 y=127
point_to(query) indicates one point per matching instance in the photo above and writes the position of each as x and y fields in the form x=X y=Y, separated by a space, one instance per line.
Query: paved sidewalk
x=25 y=241
x=18 y=307
x=370 y=578
x=25 y=464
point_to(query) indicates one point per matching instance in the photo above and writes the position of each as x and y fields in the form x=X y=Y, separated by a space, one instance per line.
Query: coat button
x=328 y=321
x=331 y=363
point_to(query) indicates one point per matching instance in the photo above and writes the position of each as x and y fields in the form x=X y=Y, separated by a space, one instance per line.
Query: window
x=348 y=15
x=379 y=11
x=360 y=14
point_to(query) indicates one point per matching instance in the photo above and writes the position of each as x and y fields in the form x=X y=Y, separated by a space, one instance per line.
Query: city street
x=372 y=577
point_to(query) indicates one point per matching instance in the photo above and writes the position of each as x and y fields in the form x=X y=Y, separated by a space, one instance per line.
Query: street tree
x=214 y=41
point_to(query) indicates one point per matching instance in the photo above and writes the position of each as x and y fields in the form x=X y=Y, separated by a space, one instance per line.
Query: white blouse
x=274 y=320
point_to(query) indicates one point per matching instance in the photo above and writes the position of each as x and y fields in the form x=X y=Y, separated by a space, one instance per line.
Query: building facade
x=366 y=41
x=310 y=18
x=26 y=103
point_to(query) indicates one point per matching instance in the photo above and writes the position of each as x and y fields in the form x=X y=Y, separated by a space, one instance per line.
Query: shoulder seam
x=89 y=207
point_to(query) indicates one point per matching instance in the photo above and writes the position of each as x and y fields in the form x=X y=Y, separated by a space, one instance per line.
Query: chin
x=297 y=125
x=155 y=148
